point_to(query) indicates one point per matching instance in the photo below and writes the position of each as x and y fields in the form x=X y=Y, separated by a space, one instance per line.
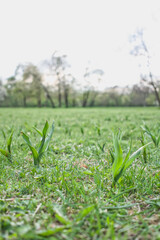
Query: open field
x=71 y=195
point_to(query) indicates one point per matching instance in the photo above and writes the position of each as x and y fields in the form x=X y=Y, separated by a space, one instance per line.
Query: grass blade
x=135 y=155
x=33 y=150
x=35 y=155
x=9 y=141
x=46 y=126
x=38 y=131
x=4 y=135
x=84 y=212
x=60 y=216
x=118 y=159
x=26 y=139
x=4 y=152
x=49 y=137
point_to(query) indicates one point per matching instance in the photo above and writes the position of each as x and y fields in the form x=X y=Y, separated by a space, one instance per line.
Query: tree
x=17 y=89
x=139 y=94
x=3 y=92
x=33 y=75
x=90 y=88
x=57 y=66
x=28 y=81
x=154 y=82
x=141 y=49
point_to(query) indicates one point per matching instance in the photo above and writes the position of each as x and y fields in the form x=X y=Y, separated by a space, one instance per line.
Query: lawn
x=72 y=194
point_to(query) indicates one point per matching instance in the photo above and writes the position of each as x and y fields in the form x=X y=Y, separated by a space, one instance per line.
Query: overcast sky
x=93 y=33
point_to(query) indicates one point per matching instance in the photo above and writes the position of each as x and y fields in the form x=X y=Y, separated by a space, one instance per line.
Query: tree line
x=53 y=85
x=28 y=88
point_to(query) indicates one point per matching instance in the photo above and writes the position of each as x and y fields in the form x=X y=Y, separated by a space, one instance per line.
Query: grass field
x=72 y=195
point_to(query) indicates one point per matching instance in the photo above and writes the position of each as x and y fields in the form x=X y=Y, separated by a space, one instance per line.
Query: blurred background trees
x=53 y=85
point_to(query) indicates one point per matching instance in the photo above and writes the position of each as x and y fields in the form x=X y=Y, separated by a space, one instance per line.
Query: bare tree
x=141 y=49
x=90 y=86
x=57 y=66
x=155 y=83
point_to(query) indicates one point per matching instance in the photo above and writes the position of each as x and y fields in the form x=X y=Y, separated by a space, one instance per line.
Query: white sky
x=92 y=33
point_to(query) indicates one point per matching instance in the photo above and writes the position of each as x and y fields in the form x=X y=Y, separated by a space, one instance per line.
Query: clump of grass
x=43 y=143
x=155 y=139
x=98 y=131
x=68 y=131
x=101 y=146
x=121 y=163
x=82 y=130
x=7 y=153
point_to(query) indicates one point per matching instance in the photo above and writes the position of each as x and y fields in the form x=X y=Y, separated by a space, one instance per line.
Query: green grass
x=70 y=196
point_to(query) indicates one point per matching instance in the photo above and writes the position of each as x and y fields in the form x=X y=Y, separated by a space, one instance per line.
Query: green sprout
x=121 y=163
x=43 y=144
x=7 y=153
x=155 y=139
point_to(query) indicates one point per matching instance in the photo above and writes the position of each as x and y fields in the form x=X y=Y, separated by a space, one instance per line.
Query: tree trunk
x=39 y=98
x=156 y=94
x=48 y=96
x=155 y=89
x=59 y=96
x=85 y=98
x=39 y=102
x=59 y=91
x=92 y=103
x=66 y=96
x=73 y=101
x=93 y=99
x=24 y=101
